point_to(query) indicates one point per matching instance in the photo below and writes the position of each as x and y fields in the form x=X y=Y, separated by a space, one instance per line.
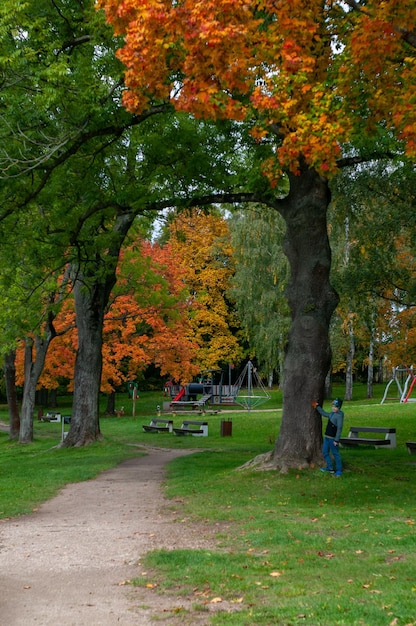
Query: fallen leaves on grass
x=326 y=555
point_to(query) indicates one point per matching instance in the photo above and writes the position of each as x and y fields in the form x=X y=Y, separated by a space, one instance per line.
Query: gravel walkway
x=67 y=563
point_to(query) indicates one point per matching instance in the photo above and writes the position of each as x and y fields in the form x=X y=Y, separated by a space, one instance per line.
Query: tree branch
x=77 y=41
x=78 y=140
x=358 y=159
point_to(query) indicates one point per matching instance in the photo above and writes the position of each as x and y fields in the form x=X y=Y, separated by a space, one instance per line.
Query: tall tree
x=372 y=227
x=259 y=284
x=76 y=169
x=201 y=244
x=67 y=84
x=312 y=77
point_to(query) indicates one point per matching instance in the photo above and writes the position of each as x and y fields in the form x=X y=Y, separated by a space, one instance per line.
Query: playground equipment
x=210 y=390
x=405 y=379
x=248 y=391
x=408 y=387
x=251 y=391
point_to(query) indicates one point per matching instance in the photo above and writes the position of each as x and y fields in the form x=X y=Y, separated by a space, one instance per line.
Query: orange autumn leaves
x=146 y=322
x=308 y=68
x=169 y=309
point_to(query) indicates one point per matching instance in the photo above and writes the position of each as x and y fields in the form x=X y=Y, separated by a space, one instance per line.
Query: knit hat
x=337 y=402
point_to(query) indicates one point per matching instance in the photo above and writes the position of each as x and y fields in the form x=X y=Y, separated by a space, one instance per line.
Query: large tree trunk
x=10 y=382
x=312 y=300
x=89 y=309
x=91 y=296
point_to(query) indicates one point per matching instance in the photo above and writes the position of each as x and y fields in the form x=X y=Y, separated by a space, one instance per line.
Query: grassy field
x=301 y=548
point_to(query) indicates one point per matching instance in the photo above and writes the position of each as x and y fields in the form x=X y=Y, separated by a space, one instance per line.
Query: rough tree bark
x=92 y=289
x=312 y=301
x=10 y=382
x=89 y=306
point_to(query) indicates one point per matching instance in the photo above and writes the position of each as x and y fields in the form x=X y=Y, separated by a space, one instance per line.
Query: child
x=332 y=436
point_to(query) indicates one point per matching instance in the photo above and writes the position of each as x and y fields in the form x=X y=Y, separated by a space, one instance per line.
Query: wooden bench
x=197 y=429
x=158 y=425
x=411 y=446
x=354 y=438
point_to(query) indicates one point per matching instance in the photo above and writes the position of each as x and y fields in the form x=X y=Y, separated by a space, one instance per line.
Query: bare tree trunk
x=89 y=309
x=53 y=398
x=312 y=300
x=349 y=380
x=281 y=363
x=111 y=404
x=328 y=384
x=29 y=391
x=10 y=382
x=33 y=370
x=370 y=372
x=380 y=370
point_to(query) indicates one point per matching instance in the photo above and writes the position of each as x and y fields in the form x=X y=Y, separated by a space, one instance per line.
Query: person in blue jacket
x=332 y=436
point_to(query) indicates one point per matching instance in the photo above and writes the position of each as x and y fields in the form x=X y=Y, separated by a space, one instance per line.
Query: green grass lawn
x=300 y=548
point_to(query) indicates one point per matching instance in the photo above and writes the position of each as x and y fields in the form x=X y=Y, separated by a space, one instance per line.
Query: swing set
x=405 y=388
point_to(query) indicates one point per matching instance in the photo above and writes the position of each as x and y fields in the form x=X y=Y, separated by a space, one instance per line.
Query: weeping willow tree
x=259 y=284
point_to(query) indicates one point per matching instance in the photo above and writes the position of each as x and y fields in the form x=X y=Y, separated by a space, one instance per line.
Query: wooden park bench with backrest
x=189 y=427
x=158 y=425
x=355 y=439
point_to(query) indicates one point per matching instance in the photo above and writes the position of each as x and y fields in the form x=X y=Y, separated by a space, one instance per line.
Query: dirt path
x=66 y=563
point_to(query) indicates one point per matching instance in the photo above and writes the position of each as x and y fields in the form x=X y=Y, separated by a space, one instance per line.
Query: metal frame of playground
x=405 y=389
x=248 y=391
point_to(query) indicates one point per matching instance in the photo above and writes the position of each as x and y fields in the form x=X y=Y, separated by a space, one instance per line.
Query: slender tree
x=10 y=382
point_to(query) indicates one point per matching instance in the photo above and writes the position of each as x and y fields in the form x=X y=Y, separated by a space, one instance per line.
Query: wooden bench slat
x=354 y=438
x=371 y=429
x=153 y=427
x=354 y=441
x=202 y=431
x=183 y=431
